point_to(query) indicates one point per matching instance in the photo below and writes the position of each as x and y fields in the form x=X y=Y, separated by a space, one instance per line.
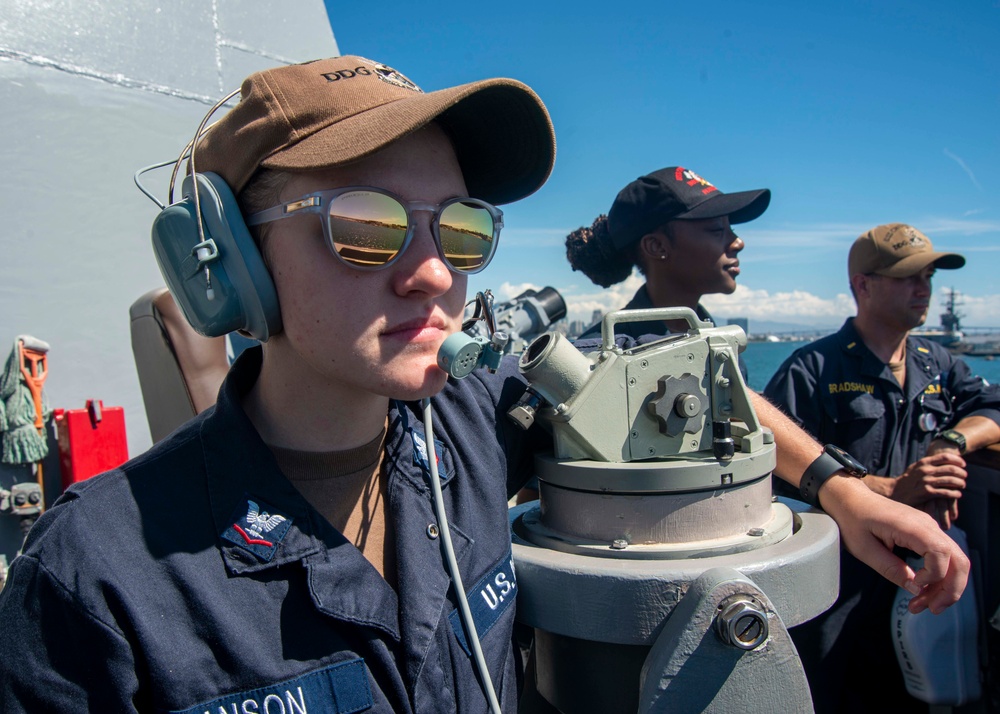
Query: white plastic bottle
x=938 y=654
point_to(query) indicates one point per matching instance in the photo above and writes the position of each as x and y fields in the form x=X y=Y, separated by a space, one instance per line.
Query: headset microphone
x=466 y=351
x=460 y=354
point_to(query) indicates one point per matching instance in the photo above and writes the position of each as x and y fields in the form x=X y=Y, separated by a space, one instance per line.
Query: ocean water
x=763 y=359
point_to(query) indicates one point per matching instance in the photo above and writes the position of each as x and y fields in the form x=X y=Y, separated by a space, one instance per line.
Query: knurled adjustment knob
x=679 y=405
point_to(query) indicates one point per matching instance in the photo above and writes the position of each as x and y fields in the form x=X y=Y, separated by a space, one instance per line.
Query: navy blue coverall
x=840 y=392
x=196 y=578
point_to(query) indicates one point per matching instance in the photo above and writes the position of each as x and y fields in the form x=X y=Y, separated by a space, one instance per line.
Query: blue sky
x=852 y=113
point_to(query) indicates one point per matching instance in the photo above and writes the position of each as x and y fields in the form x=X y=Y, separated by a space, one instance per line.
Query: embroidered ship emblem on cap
x=692 y=179
x=388 y=74
x=259 y=530
x=908 y=236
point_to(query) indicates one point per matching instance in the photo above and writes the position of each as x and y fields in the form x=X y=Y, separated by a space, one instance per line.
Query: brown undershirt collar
x=346 y=488
x=898 y=369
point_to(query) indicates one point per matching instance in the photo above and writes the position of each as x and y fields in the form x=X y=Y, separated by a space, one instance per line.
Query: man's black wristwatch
x=832 y=460
x=953 y=437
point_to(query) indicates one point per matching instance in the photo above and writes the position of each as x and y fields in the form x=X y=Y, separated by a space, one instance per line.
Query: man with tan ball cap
x=908 y=411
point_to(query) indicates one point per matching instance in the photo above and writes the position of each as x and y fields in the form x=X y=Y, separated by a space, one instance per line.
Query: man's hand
x=933 y=484
x=871 y=526
x=940 y=475
x=943 y=510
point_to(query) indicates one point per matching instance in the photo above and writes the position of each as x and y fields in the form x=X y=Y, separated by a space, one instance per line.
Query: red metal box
x=91 y=440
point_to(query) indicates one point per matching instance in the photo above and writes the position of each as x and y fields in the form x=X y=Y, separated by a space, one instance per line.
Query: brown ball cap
x=331 y=112
x=897 y=251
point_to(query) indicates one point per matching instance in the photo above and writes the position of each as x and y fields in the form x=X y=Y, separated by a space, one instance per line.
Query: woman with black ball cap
x=676 y=227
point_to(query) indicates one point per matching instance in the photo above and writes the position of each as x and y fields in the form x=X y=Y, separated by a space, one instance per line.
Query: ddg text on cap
x=331 y=112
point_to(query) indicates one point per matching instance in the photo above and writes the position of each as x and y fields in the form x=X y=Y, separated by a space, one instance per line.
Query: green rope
x=22 y=444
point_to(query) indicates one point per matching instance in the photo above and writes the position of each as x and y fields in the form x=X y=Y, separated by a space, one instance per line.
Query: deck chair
x=180 y=371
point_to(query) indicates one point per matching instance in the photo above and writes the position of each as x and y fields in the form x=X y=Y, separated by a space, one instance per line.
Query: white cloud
x=840 y=235
x=974 y=311
x=509 y=291
x=939 y=225
x=796 y=306
x=958 y=160
x=813 y=235
x=581 y=305
x=970 y=235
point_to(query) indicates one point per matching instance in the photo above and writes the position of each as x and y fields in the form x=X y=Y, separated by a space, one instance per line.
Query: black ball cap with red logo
x=677 y=193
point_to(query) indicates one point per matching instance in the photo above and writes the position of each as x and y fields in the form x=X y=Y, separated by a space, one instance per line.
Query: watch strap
x=816 y=475
x=953 y=437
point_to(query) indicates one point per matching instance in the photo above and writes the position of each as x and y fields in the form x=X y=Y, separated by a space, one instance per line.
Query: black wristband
x=816 y=475
x=832 y=460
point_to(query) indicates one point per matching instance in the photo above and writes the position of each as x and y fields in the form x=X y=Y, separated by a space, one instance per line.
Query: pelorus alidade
x=656 y=569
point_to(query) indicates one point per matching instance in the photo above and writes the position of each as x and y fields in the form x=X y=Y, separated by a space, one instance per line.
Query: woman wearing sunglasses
x=284 y=551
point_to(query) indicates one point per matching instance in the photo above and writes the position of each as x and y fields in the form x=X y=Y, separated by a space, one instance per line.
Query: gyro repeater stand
x=656 y=569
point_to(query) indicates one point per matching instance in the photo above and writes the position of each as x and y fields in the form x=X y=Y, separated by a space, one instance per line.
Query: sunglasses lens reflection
x=466 y=230
x=368 y=230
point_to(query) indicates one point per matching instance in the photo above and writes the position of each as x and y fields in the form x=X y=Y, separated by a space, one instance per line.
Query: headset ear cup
x=237 y=292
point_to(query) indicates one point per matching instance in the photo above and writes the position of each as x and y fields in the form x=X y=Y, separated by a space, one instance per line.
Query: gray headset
x=208 y=258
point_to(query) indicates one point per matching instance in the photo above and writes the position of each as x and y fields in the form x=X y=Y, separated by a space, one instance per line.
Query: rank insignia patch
x=420 y=455
x=258 y=528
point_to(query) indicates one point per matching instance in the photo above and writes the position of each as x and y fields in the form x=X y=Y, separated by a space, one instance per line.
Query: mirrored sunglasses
x=369 y=228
